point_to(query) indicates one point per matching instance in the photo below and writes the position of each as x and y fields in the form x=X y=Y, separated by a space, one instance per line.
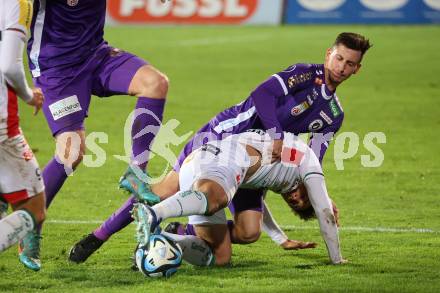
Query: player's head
x=344 y=58
x=298 y=201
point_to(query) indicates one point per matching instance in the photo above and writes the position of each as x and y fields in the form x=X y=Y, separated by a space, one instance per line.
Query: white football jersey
x=15 y=15
x=297 y=162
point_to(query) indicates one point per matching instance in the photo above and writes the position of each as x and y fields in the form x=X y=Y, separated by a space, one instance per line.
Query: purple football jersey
x=64 y=33
x=294 y=100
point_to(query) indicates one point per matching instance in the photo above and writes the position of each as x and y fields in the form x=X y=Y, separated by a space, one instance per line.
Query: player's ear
x=358 y=67
x=328 y=52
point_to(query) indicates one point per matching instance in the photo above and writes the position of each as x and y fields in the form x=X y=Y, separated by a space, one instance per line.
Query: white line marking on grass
x=369 y=229
x=289 y=227
x=73 y=222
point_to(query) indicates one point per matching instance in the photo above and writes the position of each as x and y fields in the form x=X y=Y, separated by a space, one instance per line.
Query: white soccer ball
x=161 y=258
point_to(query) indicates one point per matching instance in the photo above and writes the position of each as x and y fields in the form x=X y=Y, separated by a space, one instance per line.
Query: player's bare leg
x=247 y=227
x=217 y=237
x=70 y=149
x=150 y=86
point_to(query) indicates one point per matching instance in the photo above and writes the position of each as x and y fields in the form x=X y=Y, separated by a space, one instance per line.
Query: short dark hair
x=353 y=41
x=306 y=214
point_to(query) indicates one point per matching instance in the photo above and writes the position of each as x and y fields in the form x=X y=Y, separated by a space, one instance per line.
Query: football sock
x=148 y=118
x=54 y=176
x=15 y=227
x=119 y=220
x=189 y=230
x=195 y=250
x=183 y=203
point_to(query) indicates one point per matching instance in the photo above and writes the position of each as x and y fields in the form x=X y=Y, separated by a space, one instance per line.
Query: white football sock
x=14 y=227
x=195 y=250
x=183 y=203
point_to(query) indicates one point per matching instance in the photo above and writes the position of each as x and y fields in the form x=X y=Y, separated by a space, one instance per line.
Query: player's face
x=341 y=62
x=298 y=199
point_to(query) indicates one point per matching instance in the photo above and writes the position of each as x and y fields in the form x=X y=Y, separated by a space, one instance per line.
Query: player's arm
x=11 y=65
x=271 y=227
x=322 y=204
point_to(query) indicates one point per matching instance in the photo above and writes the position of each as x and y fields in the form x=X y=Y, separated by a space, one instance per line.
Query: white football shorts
x=20 y=175
x=225 y=162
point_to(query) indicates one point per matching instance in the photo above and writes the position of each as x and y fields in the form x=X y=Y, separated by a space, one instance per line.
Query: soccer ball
x=161 y=258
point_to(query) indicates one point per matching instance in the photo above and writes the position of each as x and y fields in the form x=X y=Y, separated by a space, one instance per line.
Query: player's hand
x=37 y=100
x=276 y=150
x=336 y=213
x=295 y=245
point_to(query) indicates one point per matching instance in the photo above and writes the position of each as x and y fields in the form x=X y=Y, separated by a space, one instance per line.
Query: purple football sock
x=54 y=176
x=119 y=220
x=189 y=230
x=146 y=124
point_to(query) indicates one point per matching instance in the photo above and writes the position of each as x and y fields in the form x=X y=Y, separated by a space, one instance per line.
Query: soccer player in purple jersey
x=299 y=99
x=70 y=61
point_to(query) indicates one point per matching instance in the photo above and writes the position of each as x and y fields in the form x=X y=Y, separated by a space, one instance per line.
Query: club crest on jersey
x=72 y=3
x=298 y=109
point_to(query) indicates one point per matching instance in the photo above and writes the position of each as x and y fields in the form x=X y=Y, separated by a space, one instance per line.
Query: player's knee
x=155 y=85
x=251 y=236
x=216 y=203
x=247 y=236
x=70 y=149
x=40 y=215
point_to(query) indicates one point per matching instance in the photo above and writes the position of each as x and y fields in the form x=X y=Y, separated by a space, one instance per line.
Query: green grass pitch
x=397 y=92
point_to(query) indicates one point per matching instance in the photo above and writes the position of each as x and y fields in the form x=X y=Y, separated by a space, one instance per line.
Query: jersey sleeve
x=278 y=85
x=322 y=205
x=271 y=227
x=11 y=63
x=18 y=16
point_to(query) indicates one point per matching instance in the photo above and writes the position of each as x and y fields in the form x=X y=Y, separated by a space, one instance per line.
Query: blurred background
x=273 y=12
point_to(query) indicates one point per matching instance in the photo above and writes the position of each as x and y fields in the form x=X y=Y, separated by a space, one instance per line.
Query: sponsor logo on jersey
x=316 y=125
x=325 y=117
x=298 y=109
x=294 y=80
x=291 y=156
x=336 y=111
x=72 y=3
x=65 y=107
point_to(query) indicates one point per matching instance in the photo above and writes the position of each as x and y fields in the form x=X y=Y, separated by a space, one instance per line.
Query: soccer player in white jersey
x=21 y=184
x=211 y=175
